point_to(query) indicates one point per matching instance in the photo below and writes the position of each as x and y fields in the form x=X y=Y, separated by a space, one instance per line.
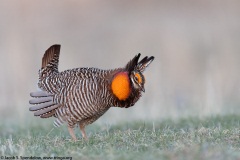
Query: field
x=216 y=137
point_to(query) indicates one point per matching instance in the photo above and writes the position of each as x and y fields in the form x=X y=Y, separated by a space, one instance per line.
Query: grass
x=191 y=138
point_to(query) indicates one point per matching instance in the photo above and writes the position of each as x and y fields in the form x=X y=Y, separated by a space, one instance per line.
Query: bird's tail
x=44 y=107
x=43 y=104
x=51 y=58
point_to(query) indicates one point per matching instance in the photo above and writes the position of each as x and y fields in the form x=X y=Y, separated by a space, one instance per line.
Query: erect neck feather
x=120 y=85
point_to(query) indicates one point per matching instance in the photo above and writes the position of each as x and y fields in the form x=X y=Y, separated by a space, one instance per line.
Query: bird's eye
x=138 y=78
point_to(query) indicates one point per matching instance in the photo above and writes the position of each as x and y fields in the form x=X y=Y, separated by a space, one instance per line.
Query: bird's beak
x=142 y=88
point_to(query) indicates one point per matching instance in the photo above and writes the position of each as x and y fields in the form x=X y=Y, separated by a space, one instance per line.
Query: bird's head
x=131 y=78
x=137 y=80
x=136 y=70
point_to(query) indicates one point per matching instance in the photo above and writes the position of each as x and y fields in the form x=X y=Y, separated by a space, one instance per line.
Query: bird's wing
x=59 y=90
x=70 y=86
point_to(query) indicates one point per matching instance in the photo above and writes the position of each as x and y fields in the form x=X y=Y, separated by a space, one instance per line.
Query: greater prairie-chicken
x=80 y=96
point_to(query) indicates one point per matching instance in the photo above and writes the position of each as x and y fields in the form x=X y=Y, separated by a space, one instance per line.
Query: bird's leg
x=71 y=132
x=82 y=128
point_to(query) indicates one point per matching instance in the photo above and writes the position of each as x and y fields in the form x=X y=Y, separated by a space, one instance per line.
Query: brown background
x=196 y=45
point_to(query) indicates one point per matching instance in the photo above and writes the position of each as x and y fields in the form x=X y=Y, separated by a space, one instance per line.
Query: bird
x=79 y=96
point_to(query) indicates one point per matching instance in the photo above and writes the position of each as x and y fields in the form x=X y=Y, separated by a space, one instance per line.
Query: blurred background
x=196 y=45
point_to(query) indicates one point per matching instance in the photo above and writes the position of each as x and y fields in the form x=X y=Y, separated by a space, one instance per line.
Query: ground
x=216 y=137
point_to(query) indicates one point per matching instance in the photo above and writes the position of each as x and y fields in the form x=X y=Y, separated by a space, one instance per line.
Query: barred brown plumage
x=81 y=95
